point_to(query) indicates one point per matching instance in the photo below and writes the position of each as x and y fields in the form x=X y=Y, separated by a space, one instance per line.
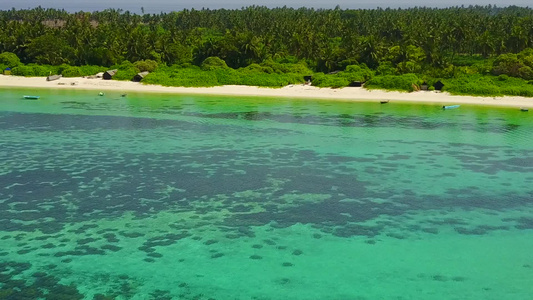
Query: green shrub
x=186 y=77
x=329 y=80
x=71 y=72
x=22 y=71
x=525 y=73
x=528 y=52
x=146 y=65
x=228 y=76
x=394 y=82
x=343 y=78
x=126 y=74
x=213 y=63
x=9 y=60
x=34 y=70
x=91 y=70
x=357 y=73
x=528 y=61
x=194 y=76
x=255 y=68
x=503 y=77
x=487 y=85
x=507 y=64
x=125 y=71
x=386 y=68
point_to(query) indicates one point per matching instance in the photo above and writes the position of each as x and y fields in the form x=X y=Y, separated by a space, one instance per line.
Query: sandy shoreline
x=291 y=91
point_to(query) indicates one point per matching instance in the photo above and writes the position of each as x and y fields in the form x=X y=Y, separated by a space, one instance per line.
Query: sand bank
x=291 y=91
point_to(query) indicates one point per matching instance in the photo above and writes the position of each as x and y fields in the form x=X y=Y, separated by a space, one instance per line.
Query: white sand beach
x=290 y=91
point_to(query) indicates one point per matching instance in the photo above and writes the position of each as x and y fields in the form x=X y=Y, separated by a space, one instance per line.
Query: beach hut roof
x=140 y=76
x=109 y=74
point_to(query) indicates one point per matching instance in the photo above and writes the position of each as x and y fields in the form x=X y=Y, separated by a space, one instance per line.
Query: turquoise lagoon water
x=193 y=197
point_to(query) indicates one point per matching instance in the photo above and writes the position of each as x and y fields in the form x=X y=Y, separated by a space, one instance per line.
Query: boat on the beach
x=53 y=77
x=450 y=106
x=32 y=97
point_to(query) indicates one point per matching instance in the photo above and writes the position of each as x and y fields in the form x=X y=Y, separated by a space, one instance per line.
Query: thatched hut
x=424 y=86
x=109 y=74
x=140 y=76
x=438 y=85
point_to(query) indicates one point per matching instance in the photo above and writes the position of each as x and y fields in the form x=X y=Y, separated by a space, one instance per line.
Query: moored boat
x=524 y=109
x=450 y=106
x=32 y=97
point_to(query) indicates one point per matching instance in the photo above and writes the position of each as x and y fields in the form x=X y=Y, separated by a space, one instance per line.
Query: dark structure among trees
x=109 y=74
x=356 y=84
x=140 y=76
x=438 y=85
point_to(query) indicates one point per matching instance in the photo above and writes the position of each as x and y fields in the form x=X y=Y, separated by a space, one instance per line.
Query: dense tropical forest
x=479 y=50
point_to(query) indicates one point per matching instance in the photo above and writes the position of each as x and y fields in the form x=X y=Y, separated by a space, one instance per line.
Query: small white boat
x=32 y=97
x=524 y=109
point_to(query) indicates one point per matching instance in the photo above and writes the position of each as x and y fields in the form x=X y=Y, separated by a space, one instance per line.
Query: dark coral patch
x=48 y=246
x=297 y=252
x=131 y=234
x=86 y=241
x=111 y=248
x=111 y=238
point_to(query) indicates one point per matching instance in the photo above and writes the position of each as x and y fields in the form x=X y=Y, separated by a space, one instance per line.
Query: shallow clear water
x=189 y=197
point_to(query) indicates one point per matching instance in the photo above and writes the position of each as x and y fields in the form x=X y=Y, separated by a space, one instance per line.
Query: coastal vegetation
x=476 y=50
